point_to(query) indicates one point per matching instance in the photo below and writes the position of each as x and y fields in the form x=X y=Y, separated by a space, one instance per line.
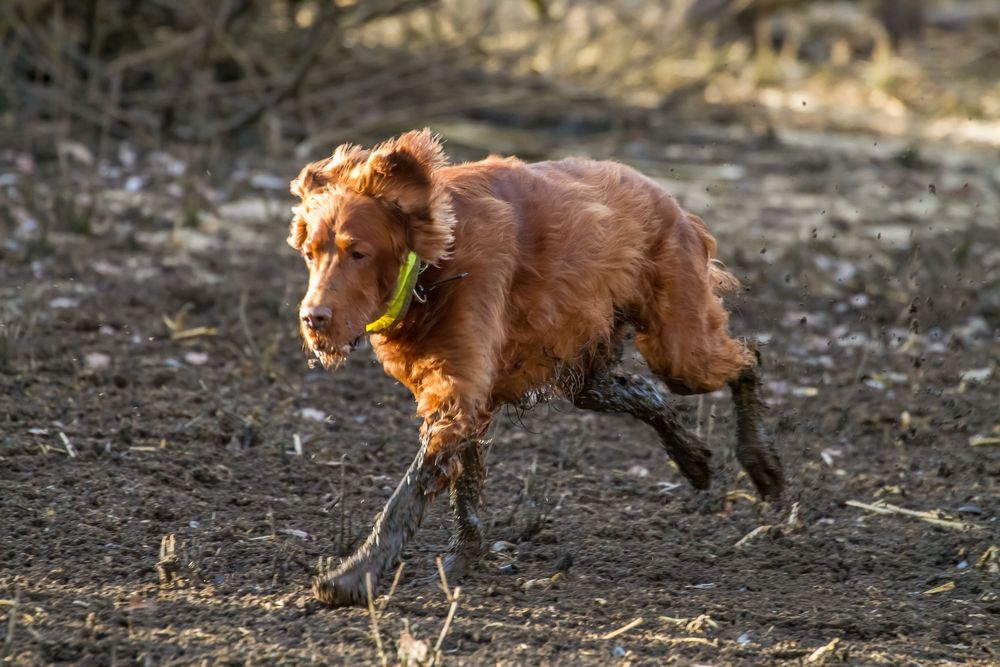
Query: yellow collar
x=409 y=271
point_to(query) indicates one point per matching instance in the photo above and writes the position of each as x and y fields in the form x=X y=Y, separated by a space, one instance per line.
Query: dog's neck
x=406 y=284
x=423 y=295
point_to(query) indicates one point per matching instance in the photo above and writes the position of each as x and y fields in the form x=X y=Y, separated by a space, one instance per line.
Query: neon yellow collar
x=409 y=271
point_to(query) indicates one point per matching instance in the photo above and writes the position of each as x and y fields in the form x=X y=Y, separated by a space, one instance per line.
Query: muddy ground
x=152 y=385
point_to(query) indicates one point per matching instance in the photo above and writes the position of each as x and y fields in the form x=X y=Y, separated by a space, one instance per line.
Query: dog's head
x=362 y=212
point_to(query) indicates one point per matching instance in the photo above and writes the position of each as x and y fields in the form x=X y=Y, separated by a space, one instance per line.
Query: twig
x=194 y=332
x=444 y=579
x=8 y=641
x=70 y=449
x=158 y=51
x=983 y=440
x=374 y=617
x=793 y=516
x=686 y=640
x=625 y=628
x=254 y=350
x=929 y=517
x=392 y=589
x=342 y=534
x=447 y=623
x=943 y=588
x=823 y=651
x=753 y=534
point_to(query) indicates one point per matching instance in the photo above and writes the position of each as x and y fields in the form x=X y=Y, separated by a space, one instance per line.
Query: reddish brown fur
x=559 y=258
x=559 y=255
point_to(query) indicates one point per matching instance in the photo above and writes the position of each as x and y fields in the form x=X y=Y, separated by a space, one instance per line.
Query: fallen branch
x=930 y=517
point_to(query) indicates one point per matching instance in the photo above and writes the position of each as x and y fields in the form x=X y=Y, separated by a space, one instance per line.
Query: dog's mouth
x=329 y=353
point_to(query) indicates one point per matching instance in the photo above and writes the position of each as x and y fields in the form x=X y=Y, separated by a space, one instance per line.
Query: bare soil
x=152 y=385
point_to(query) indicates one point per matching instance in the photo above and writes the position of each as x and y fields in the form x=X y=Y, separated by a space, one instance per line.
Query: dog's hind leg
x=684 y=339
x=735 y=364
x=466 y=495
x=754 y=446
x=395 y=525
x=637 y=396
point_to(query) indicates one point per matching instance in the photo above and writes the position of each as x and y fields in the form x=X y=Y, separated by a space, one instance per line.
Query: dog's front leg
x=394 y=526
x=466 y=495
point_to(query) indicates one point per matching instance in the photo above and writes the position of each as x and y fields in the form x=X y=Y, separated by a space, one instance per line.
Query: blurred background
x=172 y=472
x=188 y=102
x=306 y=74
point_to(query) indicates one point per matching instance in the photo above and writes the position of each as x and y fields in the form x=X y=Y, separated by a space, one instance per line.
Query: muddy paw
x=764 y=468
x=457 y=564
x=696 y=468
x=768 y=478
x=342 y=590
x=692 y=458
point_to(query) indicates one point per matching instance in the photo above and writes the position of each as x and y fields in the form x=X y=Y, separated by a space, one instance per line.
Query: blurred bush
x=278 y=70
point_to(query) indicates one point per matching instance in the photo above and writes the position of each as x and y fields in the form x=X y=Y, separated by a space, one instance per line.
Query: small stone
x=977 y=374
x=501 y=546
x=63 y=302
x=196 y=358
x=97 y=360
x=313 y=414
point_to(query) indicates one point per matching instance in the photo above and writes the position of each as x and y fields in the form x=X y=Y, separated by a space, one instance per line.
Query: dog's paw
x=756 y=453
x=696 y=467
x=457 y=564
x=766 y=472
x=342 y=590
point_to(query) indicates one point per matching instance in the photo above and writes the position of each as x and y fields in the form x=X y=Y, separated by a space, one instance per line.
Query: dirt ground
x=152 y=385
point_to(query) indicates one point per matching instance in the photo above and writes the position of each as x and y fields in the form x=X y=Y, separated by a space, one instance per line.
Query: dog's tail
x=722 y=280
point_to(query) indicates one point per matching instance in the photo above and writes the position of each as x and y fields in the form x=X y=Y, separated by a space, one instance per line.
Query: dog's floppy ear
x=400 y=170
x=307 y=180
x=296 y=230
x=401 y=173
x=335 y=168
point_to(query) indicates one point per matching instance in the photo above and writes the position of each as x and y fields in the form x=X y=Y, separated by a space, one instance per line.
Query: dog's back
x=574 y=250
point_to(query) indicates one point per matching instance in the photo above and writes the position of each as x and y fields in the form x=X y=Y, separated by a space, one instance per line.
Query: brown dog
x=500 y=282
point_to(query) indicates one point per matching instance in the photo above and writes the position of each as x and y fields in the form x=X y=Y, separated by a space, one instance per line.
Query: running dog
x=499 y=282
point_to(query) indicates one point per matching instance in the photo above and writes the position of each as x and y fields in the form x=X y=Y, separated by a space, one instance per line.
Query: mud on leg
x=754 y=447
x=394 y=526
x=637 y=396
x=466 y=495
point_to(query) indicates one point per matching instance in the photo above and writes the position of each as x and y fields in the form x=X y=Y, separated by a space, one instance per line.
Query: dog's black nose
x=315 y=317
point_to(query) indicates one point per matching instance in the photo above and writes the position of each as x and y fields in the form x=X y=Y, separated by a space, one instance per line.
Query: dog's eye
x=355 y=255
x=308 y=256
